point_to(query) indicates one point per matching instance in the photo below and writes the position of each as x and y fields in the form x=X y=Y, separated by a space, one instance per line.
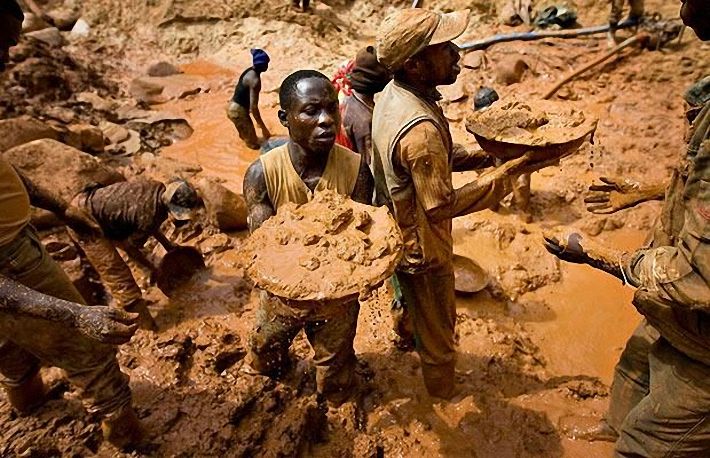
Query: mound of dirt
x=55 y=166
x=329 y=248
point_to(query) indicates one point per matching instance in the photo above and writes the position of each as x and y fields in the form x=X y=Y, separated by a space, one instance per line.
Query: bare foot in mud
x=589 y=429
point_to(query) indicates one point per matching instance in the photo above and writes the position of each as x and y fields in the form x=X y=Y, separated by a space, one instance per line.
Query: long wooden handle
x=621 y=46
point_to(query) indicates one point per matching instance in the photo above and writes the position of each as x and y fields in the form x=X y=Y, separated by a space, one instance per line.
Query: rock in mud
x=81 y=29
x=96 y=102
x=225 y=209
x=163 y=69
x=60 y=168
x=147 y=91
x=23 y=129
x=86 y=138
x=33 y=23
x=114 y=133
x=64 y=18
x=51 y=36
x=474 y=59
x=510 y=70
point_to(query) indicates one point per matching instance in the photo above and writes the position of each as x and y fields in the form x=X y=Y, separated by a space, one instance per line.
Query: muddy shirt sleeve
x=424 y=155
x=463 y=159
x=681 y=273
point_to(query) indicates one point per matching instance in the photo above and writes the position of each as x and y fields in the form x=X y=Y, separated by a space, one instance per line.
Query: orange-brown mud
x=536 y=348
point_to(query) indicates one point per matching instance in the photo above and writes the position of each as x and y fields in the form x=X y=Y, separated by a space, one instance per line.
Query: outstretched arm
x=614 y=194
x=254 y=91
x=103 y=324
x=46 y=199
x=257 y=197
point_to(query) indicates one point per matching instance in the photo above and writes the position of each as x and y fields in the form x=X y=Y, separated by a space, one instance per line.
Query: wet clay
x=531 y=122
x=329 y=248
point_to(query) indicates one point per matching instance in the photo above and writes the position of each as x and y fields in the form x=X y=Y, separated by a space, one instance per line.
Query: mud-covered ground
x=536 y=348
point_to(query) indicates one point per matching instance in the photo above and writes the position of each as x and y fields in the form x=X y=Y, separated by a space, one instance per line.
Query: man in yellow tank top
x=292 y=173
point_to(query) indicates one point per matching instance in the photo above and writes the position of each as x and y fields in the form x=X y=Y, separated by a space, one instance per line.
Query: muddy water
x=593 y=316
x=215 y=144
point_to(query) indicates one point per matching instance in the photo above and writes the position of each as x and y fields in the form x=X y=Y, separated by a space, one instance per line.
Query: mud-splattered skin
x=103 y=324
x=312 y=118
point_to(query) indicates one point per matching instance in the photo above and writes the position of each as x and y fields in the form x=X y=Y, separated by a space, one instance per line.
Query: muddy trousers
x=245 y=126
x=332 y=341
x=431 y=304
x=617 y=9
x=26 y=343
x=660 y=400
x=112 y=269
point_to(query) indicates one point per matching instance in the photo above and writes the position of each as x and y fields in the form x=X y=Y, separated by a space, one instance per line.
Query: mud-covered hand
x=567 y=247
x=572 y=247
x=614 y=194
x=106 y=325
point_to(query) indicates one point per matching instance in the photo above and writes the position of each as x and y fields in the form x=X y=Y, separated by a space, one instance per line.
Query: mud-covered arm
x=103 y=324
x=254 y=92
x=612 y=194
x=48 y=200
x=365 y=185
x=43 y=198
x=259 y=205
x=463 y=160
x=423 y=154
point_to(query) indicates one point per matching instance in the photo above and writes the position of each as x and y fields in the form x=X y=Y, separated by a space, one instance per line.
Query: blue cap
x=259 y=57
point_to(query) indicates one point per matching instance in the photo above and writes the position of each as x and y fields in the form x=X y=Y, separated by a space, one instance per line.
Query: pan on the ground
x=469 y=277
x=177 y=267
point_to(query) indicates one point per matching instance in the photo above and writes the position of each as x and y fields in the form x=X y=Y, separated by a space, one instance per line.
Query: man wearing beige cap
x=413 y=157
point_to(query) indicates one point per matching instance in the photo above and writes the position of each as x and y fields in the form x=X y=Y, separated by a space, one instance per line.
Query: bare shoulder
x=254 y=187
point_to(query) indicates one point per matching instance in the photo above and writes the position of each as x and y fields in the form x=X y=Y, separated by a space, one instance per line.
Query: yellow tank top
x=285 y=186
x=14 y=203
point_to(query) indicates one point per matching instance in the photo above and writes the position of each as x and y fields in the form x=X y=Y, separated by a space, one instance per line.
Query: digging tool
x=415 y=3
x=655 y=35
x=178 y=266
x=612 y=52
x=531 y=36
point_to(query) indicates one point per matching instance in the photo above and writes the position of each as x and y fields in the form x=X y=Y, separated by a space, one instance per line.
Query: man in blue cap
x=246 y=100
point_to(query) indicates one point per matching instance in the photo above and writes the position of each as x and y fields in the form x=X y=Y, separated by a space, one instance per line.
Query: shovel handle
x=167 y=244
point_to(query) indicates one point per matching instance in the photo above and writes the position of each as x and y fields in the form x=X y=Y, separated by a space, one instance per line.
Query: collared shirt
x=14 y=203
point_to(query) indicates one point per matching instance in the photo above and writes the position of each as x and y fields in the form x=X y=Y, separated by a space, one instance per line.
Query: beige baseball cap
x=406 y=32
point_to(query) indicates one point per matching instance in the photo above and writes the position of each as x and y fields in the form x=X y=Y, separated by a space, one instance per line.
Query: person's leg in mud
x=116 y=275
x=26 y=261
x=673 y=420
x=432 y=305
x=521 y=196
x=244 y=125
x=90 y=366
x=631 y=375
x=636 y=9
x=402 y=321
x=269 y=343
x=629 y=387
x=334 y=358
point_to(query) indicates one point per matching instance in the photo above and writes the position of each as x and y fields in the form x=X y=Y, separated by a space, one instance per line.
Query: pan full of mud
x=548 y=129
x=329 y=249
x=469 y=276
